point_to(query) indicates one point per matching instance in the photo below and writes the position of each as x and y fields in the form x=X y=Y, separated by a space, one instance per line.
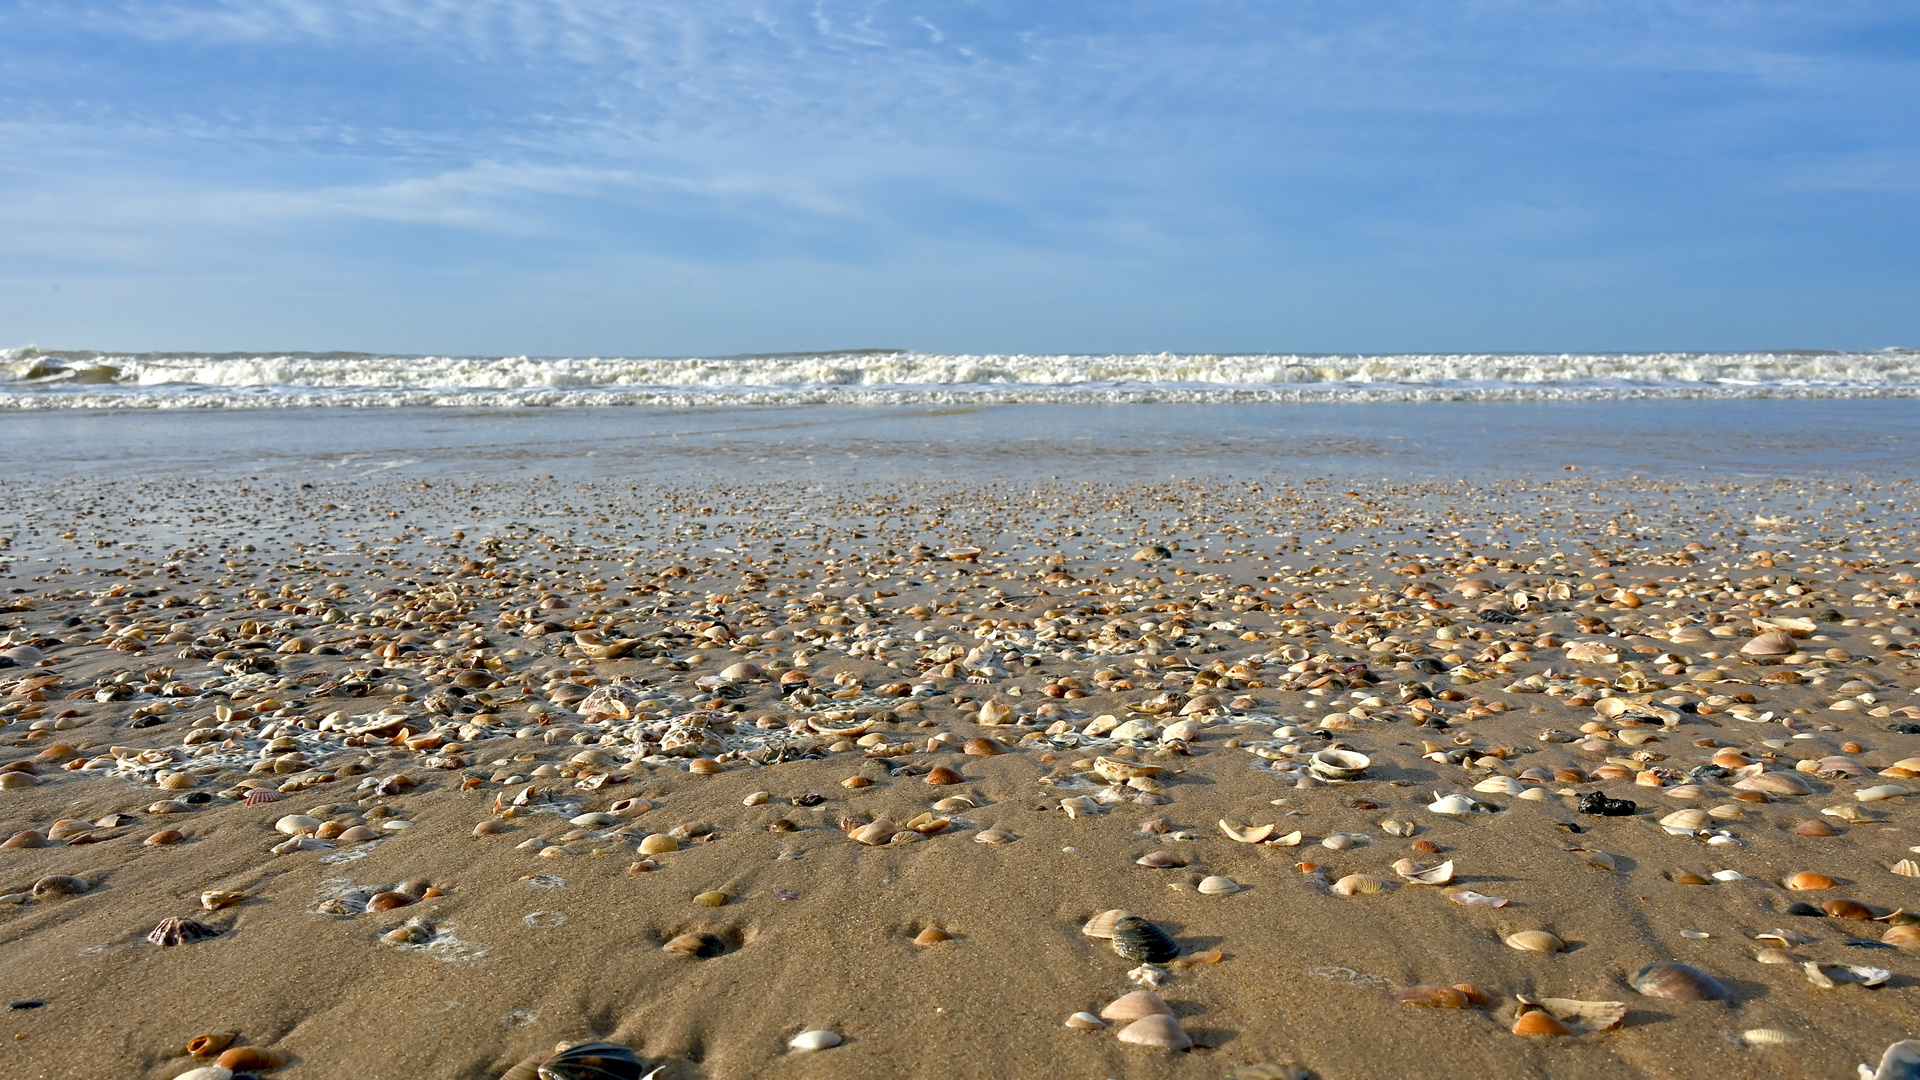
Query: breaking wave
x=32 y=378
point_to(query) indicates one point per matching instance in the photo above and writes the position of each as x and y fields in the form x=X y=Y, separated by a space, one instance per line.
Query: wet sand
x=414 y=653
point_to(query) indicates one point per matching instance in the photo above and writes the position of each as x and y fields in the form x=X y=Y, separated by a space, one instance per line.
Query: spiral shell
x=1137 y=939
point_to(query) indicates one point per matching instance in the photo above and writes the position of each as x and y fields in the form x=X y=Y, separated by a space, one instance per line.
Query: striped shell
x=1766 y=1037
x=592 y=1061
x=263 y=796
x=1137 y=939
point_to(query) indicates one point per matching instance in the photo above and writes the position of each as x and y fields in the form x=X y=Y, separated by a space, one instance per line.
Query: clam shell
x=1215 y=885
x=295 y=824
x=592 y=1061
x=1585 y=1016
x=1500 y=785
x=1433 y=997
x=1880 y=792
x=1677 y=982
x=1774 y=783
x=814 y=1040
x=1535 y=941
x=1808 y=881
x=1136 y=1006
x=1137 y=939
x=1538 y=1021
x=1828 y=976
x=1101 y=925
x=698 y=943
x=1163 y=1032
x=1160 y=860
x=180 y=931
x=1085 y=1021
x=1691 y=819
x=1428 y=875
x=1451 y=804
x=1771 y=643
x=1902 y=937
x=1338 y=764
x=1359 y=885
x=1394 y=827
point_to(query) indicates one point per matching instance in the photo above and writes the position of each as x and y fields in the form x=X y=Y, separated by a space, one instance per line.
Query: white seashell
x=207 y=1072
x=1766 y=1037
x=1535 y=941
x=1292 y=839
x=1730 y=875
x=1252 y=834
x=1500 y=785
x=1430 y=875
x=1182 y=730
x=1085 y=1021
x=1216 y=885
x=1906 y=868
x=1534 y=794
x=1880 y=792
x=1358 y=885
x=594 y=820
x=1469 y=898
x=1397 y=828
x=301 y=843
x=1683 y=822
x=1584 y=1016
x=297 y=823
x=813 y=1040
x=1136 y=730
x=1157 y=1031
x=1450 y=804
x=1339 y=841
x=1829 y=976
x=1696 y=935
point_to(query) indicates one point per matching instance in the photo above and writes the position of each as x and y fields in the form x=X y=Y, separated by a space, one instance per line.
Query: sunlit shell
x=808 y=1041
x=1691 y=819
x=1538 y=1021
x=1808 y=881
x=1252 y=834
x=1814 y=827
x=1880 y=792
x=1424 y=875
x=1771 y=643
x=1535 y=941
x=1766 y=1037
x=1433 y=997
x=1101 y=925
x=1359 y=885
x=1136 y=1006
x=1157 y=1031
x=1828 y=976
x=1338 y=764
x=1393 y=827
x=1847 y=909
x=1677 y=982
x=1215 y=885
x=993 y=836
x=1451 y=804
x=295 y=824
x=1902 y=937
x=1085 y=1021
x=1774 y=783
x=1160 y=860
x=1292 y=839
x=1500 y=785
x=1906 y=868
x=698 y=943
x=1585 y=1016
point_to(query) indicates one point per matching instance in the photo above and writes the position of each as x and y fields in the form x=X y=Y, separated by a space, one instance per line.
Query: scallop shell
x=1359 y=885
x=1216 y=885
x=1677 y=982
x=180 y=931
x=592 y=1061
x=1157 y=1031
x=1137 y=939
x=1902 y=937
x=1101 y=925
x=1535 y=941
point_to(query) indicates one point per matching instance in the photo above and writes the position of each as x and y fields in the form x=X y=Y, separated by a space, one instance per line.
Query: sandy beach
x=444 y=773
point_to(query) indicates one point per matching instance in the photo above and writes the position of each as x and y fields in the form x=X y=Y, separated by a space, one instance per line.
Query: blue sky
x=599 y=176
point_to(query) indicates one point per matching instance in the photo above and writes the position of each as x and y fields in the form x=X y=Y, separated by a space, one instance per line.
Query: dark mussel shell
x=1601 y=806
x=179 y=931
x=1137 y=939
x=1677 y=982
x=592 y=1061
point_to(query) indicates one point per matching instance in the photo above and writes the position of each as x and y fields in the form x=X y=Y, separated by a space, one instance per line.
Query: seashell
x=207 y=1072
x=1814 y=827
x=705 y=766
x=1268 y=1070
x=1469 y=898
x=180 y=931
x=1252 y=834
x=1292 y=839
x=358 y=834
x=941 y=776
x=1451 y=804
x=1689 y=820
x=1584 y=1016
x=1160 y=860
x=1163 y=1032
x=1433 y=997
x=1085 y=1021
x=1216 y=885
x=658 y=844
x=1847 y=909
x=165 y=837
x=1428 y=875
x=956 y=802
x=1829 y=976
x=813 y=1040
x=1902 y=937
x=215 y=899
x=698 y=943
x=1775 y=956
x=60 y=885
x=70 y=830
x=993 y=836
x=387 y=901
x=592 y=1061
x=1771 y=643
x=1339 y=841
x=1137 y=1005
x=1359 y=885
x=932 y=935
x=1602 y=860
x=29 y=839
x=1338 y=765
x=1500 y=785
x=1808 y=881
x=1677 y=982
x=1900 y=1062
x=1101 y=925
x=1535 y=941
x=296 y=824
x=1137 y=939
x=980 y=748
x=212 y=1043
x=1906 y=868
x=1880 y=793
x=875 y=834
x=490 y=827
x=1080 y=806
x=1774 y=783
x=1117 y=772
x=250 y=1059
x=1538 y=1021
x=1766 y=1037
x=1397 y=828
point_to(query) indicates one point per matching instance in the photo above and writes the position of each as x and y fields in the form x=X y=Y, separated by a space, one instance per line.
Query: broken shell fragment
x=1252 y=834
x=592 y=1061
x=215 y=899
x=1429 y=875
x=1338 y=764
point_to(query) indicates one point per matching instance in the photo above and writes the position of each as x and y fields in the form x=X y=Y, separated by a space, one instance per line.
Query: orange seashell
x=1808 y=881
x=1539 y=1022
x=1847 y=909
x=980 y=747
x=213 y=1043
x=1434 y=997
x=856 y=782
x=705 y=766
x=1427 y=846
x=1306 y=867
x=1475 y=995
x=387 y=901
x=1902 y=937
x=247 y=1058
x=931 y=935
x=1851 y=748
x=942 y=776
x=1814 y=827
x=164 y=837
x=1570 y=776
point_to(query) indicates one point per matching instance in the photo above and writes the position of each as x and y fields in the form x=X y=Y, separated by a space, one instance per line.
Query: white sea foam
x=35 y=379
